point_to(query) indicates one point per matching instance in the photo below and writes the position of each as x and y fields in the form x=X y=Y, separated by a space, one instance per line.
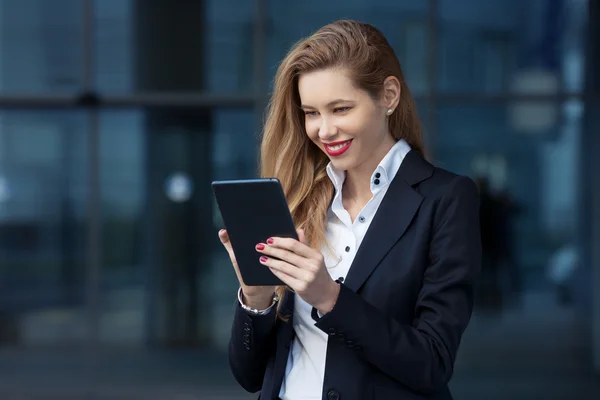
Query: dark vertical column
x=170 y=45
x=430 y=134
x=170 y=57
x=590 y=183
x=60 y=75
x=70 y=272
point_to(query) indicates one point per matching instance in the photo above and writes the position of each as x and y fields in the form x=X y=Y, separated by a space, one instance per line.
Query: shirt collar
x=383 y=174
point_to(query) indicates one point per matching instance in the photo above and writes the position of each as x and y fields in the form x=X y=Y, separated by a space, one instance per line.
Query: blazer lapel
x=395 y=213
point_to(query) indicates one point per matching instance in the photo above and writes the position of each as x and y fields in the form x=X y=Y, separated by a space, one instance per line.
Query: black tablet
x=253 y=210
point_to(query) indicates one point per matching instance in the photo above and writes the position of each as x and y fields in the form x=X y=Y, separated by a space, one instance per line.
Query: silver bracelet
x=254 y=311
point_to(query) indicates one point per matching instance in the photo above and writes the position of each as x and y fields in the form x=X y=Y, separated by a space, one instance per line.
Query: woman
x=380 y=282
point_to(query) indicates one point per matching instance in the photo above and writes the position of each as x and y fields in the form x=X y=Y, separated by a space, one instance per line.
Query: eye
x=310 y=113
x=341 y=109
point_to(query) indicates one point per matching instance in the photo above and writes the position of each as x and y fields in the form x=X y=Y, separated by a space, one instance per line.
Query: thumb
x=223 y=236
x=302 y=236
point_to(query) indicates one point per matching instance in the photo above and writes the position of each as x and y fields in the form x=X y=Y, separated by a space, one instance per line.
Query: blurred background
x=115 y=116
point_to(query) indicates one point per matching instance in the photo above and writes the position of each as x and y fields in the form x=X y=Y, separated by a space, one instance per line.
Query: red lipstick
x=335 y=149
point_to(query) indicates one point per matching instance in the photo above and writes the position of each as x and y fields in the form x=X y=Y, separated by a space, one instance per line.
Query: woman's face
x=343 y=121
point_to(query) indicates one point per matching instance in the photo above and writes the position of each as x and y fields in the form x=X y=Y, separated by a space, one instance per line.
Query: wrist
x=331 y=299
x=258 y=301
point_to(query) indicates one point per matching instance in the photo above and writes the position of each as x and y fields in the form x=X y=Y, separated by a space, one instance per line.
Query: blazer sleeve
x=251 y=344
x=421 y=356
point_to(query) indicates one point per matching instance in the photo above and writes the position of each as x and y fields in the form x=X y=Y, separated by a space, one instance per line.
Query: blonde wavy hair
x=286 y=151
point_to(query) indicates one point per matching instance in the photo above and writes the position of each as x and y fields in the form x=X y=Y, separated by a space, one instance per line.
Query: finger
x=285 y=268
x=223 y=236
x=302 y=237
x=282 y=254
x=292 y=245
x=288 y=280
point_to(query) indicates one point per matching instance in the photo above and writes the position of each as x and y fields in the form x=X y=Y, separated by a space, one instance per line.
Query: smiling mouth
x=337 y=149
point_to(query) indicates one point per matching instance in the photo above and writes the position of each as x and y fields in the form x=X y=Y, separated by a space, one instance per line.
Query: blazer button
x=333 y=395
x=331 y=331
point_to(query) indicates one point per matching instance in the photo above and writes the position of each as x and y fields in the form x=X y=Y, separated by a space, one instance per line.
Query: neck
x=357 y=185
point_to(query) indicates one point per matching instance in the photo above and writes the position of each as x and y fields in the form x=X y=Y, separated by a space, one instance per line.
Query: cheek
x=312 y=129
x=356 y=125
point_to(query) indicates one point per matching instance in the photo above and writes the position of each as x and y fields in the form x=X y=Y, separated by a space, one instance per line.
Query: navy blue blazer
x=397 y=324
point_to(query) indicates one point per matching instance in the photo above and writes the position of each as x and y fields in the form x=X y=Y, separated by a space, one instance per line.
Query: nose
x=327 y=130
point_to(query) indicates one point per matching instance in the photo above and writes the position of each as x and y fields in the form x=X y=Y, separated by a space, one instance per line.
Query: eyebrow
x=330 y=104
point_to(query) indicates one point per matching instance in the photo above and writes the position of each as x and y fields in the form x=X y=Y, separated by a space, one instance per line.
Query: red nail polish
x=260 y=246
x=270 y=240
x=263 y=259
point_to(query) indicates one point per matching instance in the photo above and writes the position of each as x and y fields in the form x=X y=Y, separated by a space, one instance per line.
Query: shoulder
x=446 y=184
x=452 y=202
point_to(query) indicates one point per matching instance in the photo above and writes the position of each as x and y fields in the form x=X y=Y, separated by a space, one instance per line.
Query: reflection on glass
x=165 y=279
x=538 y=170
x=404 y=23
x=179 y=187
x=114 y=45
x=42 y=235
x=214 y=51
x=41 y=46
x=425 y=112
x=491 y=46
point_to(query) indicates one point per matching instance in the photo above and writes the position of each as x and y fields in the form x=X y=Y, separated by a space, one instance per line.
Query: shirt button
x=378 y=175
x=347 y=249
x=333 y=395
x=361 y=218
x=376 y=181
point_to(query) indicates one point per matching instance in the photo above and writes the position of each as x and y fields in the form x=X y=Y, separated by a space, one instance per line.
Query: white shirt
x=305 y=367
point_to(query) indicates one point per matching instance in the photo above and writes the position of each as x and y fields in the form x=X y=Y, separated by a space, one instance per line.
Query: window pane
x=40 y=46
x=424 y=109
x=43 y=186
x=551 y=234
x=403 y=22
x=499 y=46
x=538 y=171
x=163 y=267
x=135 y=46
x=588 y=283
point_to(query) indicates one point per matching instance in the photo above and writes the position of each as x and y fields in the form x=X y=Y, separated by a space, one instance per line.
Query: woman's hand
x=302 y=269
x=259 y=297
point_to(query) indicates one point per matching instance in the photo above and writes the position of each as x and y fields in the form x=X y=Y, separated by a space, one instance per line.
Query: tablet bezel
x=252 y=210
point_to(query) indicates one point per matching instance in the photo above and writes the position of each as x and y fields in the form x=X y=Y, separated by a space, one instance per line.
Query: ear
x=391 y=93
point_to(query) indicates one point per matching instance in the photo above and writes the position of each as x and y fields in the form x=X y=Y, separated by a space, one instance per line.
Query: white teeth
x=338 y=146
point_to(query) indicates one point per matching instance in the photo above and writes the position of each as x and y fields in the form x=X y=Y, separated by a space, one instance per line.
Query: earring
x=390 y=111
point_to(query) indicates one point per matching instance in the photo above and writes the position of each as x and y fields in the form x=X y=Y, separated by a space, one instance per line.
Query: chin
x=342 y=165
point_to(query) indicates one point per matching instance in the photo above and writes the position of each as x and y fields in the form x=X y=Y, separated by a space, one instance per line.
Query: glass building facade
x=115 y=116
